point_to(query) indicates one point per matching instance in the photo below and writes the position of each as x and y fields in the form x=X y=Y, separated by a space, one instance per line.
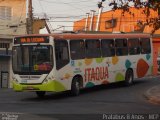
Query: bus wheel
x=75 y=88
x=129 y=78
x=40 y=94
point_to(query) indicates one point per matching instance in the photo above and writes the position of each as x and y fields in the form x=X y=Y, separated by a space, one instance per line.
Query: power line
x=77 y=5
x=47 y=23
x=61 y=17
x=73 y=4
x=93 y=21
x=67 y=2
x=41 y=6
x=64 y=3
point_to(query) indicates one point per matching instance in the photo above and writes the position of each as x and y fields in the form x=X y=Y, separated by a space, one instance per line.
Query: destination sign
x=33 y=39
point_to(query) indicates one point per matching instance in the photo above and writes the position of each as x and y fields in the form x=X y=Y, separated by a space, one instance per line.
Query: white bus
x=60 y=62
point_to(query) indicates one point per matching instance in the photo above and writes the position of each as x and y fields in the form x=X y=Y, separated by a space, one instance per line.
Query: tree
x=146 y=4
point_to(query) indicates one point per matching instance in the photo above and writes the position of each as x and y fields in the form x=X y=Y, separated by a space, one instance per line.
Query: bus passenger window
x=61 y=51
x=77 y=49
x=93 y=49
x=121 y=47
x=145 y=46
x=133 y=46
x=108 y=48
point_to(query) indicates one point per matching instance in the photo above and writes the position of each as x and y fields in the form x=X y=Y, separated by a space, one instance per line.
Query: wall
x=17 y=24
x=127 y=22
x=37 y=25
x=12 y=23
x=5 y=58
x=156 y=53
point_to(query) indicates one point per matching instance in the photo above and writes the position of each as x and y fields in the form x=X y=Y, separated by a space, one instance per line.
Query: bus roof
x=90 y=36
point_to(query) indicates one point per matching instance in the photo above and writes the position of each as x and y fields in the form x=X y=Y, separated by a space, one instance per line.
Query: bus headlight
x=14 y=79
x=47 y=79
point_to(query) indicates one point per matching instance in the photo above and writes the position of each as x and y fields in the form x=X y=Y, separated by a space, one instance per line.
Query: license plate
x=29 y=88
x=24 y=81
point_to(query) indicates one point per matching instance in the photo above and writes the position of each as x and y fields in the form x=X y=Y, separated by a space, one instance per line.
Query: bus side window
x=108 y=48
x=93 y=49
x=77 y=49
x=121 y=47
x=133 y=46
x=61 y=52
x=145 y=45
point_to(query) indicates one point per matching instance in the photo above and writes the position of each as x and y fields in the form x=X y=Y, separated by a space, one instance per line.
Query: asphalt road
x=92 y=103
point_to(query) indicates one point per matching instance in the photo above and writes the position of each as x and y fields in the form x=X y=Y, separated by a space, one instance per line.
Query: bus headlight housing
x=14 y=79
x=47 y=79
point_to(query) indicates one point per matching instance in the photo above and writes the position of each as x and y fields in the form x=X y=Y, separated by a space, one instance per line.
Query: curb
x=153 y=95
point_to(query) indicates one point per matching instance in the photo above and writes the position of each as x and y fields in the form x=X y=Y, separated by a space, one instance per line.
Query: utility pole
x=86 y=24
x=92 y=18
x=99 y=14
x=47 y=24
x=30 y=18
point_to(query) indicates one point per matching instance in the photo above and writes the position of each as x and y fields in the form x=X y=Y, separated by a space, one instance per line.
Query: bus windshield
x=35 y=59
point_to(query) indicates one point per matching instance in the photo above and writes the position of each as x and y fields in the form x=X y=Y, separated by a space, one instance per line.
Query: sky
x=64 y=12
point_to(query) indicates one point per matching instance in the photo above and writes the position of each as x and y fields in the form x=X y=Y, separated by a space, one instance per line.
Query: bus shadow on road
x=87 y=91
x=111 y=86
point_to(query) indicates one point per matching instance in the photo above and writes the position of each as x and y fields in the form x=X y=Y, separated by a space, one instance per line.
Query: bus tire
x=75 y=88
x=40 y=94
x=129 y=78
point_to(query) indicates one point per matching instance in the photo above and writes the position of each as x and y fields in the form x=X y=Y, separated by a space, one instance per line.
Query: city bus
x=67 y=61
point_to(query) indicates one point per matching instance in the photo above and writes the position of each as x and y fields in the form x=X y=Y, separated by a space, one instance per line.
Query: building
x=156 y=52
x=12 y=23
x=118 y=21
x=12 y=17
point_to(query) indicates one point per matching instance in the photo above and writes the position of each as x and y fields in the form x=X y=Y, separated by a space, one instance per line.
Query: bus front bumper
x=51 y=86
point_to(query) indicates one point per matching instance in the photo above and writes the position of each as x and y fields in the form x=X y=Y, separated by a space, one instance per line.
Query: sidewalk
x=153 y=94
